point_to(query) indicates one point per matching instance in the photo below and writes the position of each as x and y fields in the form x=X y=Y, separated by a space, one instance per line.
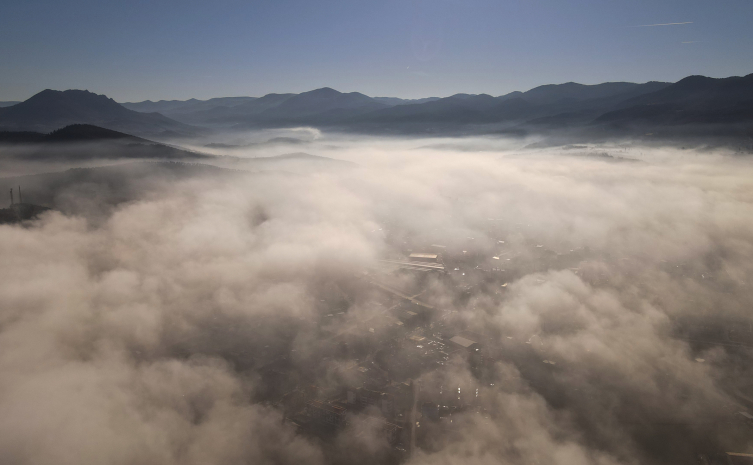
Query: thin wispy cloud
x=664 y=24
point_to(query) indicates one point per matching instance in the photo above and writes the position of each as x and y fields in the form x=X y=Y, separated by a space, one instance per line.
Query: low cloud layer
x=608 y=286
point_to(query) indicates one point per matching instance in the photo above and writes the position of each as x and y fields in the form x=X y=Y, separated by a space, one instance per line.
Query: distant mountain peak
x=72 y=97
x=53 y=109
x=81 y=132
x=324 y=91
x=695 y=80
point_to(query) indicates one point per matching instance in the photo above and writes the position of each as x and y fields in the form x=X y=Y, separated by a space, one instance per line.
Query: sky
x=138 y=50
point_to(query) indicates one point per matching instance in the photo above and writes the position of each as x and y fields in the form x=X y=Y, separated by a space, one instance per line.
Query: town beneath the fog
x=422 y=232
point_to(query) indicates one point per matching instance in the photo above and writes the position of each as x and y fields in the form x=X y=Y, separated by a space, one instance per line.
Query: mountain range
x=227 y=108
x=696 y=103
x=328 y=107
x=51 y=109
x=696 y=99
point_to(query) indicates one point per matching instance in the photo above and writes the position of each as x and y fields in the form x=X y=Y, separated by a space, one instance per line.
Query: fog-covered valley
x=292 y=295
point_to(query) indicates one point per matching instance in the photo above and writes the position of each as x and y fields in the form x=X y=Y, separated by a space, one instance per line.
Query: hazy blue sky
x=138 y=50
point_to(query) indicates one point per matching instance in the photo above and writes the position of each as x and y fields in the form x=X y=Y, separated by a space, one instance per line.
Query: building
x=472 y=348
x=362 y=397
x=465 y=343
x=424 y=257
x=326 y=415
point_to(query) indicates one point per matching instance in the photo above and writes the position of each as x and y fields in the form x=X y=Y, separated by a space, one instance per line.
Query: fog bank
x=608 y=287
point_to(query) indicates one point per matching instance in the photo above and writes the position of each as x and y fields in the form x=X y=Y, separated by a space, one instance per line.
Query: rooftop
x=459 y=340
x=424 y=255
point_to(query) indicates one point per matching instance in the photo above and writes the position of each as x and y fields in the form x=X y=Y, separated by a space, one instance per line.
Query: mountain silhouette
x=233 y=114
x=51 y=109
x=329 y=107
x=88 y=132
x=238 y=109
x=392 y=101
x=172 y=108
x=611 y=108
x=571 y=92
x=71 y=133
x=83 y=141
x=582 y=102
x=693 y=100
x=321 y=101
x=459 y=108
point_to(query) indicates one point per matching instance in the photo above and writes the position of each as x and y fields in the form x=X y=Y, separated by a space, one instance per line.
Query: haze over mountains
x=721 y=106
